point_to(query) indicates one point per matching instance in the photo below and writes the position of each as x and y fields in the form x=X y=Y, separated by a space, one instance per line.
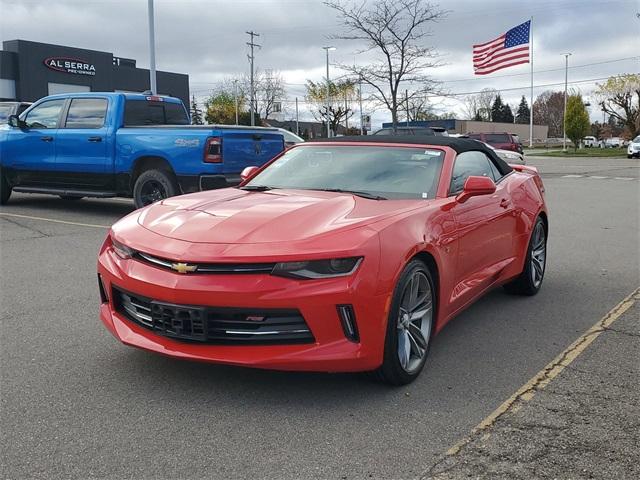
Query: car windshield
x=384 y=171
x=637 y=139
x=5 y=111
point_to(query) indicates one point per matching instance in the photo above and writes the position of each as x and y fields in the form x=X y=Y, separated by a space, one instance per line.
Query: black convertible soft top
x=458 y=144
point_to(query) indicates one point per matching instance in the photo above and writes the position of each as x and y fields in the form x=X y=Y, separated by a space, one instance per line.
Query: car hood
x=237 y=216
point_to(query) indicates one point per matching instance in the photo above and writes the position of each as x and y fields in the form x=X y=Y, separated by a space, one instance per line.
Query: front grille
x=214 y=325
x=219 y=268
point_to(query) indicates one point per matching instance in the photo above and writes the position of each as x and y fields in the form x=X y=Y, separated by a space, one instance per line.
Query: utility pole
x=252 y=108
x=297 y=119
x=235 y=96
x=406 y=98
x=360 y=102
x=326 y=49
x=346 y=114
x=564 y=115
x=152 y=50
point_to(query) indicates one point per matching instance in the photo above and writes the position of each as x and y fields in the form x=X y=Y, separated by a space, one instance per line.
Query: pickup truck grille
x=214 y=268
x=214 y=325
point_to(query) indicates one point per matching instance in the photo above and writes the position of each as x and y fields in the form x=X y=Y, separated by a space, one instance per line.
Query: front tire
x=409 y=326
x=152 y=186
x=530 y=280
x=5 y=190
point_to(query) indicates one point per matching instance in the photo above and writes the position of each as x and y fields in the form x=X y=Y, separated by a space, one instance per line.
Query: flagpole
x=531 y=103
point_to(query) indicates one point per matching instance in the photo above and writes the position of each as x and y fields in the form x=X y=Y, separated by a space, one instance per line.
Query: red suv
x=502 y=141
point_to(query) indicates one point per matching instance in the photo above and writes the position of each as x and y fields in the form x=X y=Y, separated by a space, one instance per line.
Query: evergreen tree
x=524 y=114
x=506 y=114
x=478 y=117
x=497 y=109
x=196 y=113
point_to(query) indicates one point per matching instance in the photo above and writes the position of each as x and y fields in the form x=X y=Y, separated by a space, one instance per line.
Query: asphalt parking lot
x=77 y=404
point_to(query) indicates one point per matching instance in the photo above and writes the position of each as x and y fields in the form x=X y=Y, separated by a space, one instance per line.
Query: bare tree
x=396 y=30
x=269 y=91
x=486 y=98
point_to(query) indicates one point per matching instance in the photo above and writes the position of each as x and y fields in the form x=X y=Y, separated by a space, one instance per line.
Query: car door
x=82 y=157
x=29 y=151
x=485 y=225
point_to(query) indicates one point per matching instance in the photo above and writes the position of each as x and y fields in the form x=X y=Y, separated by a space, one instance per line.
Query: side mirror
x=248 y=172
x=475 y=186
x=15 y=121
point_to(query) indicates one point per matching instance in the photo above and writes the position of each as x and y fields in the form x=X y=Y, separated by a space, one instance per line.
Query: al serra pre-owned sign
x=70 y=65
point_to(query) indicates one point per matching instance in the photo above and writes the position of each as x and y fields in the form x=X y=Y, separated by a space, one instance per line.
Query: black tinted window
x=143 y=112
x=469 y=164
x=86 y=113
x=497 y=138
x=45 y=115
x=175 y=114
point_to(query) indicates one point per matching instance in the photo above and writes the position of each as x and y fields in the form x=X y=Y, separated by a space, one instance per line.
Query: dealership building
x=31 y=70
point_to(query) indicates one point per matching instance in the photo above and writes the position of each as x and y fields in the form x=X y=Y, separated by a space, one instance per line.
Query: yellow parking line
x=552 y=370
x=53 y=220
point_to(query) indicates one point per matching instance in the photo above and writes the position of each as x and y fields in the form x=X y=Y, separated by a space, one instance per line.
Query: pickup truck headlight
x=314 y=269
x=121 y=250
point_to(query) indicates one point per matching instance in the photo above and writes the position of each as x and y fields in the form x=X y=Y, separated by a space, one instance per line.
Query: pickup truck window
x=45 y=115
x=144 y=112
x=86 y=113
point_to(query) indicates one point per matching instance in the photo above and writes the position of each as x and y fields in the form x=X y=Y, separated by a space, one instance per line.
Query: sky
x=206 y=39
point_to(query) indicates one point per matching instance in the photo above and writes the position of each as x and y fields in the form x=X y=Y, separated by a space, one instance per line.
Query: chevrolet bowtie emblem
x=184 y=267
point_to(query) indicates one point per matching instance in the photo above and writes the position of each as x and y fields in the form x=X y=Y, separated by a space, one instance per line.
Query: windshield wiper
x=256 y=188
x=368 y=195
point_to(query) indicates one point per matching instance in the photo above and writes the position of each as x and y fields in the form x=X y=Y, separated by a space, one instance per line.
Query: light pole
x=152 y=50
x=564 y=115
x=235 y=95
x=326 y=49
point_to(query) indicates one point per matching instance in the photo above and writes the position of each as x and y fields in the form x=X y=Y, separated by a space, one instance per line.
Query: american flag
x=509 y=49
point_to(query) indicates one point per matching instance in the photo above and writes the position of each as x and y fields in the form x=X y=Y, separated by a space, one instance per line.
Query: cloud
x=207 y=39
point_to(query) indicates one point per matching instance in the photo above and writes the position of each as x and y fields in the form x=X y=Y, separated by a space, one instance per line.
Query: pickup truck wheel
x=5 y=190
x=152 y=186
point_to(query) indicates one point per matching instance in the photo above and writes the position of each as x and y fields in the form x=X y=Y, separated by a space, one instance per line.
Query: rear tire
x=5 y=190
x=530 y=280
x=152 y=186
x=409 y=326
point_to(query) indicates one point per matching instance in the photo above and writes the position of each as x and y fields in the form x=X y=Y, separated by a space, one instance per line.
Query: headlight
x=337 y=267
x=121 y=250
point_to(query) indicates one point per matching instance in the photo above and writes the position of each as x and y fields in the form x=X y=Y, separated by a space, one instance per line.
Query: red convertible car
x=342 y=255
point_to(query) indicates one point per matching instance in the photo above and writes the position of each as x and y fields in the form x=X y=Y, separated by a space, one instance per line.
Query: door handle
x=504 y=203
x=46 y=139
x=95 y=139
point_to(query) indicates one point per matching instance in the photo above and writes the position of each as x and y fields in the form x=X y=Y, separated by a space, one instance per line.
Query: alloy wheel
x=538 y=254
x=152 y=191
x=414 y=322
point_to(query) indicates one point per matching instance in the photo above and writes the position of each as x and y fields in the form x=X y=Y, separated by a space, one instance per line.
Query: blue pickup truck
x=120 y=144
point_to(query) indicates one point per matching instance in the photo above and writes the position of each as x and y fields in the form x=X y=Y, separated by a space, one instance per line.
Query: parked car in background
x=11 y=108
x=590 y=141
x=290 y=138
x=509 y=156
x=116 y=144
x=502 y=141
x=633 y=149
x=613 y=142
x=346 y=255
x=423 y=131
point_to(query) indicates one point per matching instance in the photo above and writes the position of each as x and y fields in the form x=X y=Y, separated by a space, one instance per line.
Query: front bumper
x=316 y=300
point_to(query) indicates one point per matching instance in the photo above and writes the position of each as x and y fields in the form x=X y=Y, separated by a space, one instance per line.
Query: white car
x=633 y=150
x=590 y=142
x=613 y=142
x=508 y=156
